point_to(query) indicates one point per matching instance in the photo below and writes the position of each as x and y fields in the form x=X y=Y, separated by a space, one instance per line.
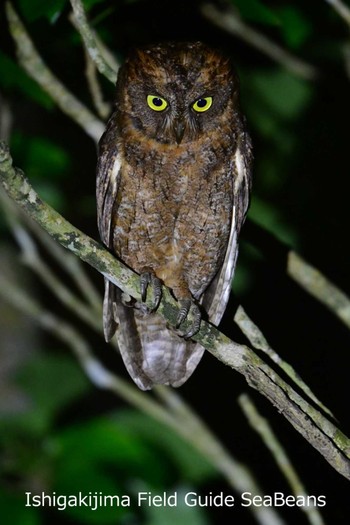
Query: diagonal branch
x=258 y=341
x=172 y=413
x=33 y=64
x=263 y=428
x=90 y=42
x=317 y=285
x=341 y=8
x=311 y=424
x=231 y=22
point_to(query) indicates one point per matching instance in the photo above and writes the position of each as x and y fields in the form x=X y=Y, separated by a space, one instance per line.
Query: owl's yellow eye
x=202 y=104
x=156 y=103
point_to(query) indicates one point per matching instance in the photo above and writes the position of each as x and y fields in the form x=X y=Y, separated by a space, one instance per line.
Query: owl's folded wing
x=108 y=167
x=217 y=294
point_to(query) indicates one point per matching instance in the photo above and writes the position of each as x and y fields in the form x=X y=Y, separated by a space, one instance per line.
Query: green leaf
x=296 y=28
x=242 y=282
x=34 y=9
x=14 y=78
x=267 y=216
x=105 y=441
x=88 y=4
x=274 y=101
x=42 y=157
x=256 y=11
x=193 y=466
x=51 y=383
x=77 y=476
x=104 y=456
x=14 y=509
x=45 y=162
x=279 y=91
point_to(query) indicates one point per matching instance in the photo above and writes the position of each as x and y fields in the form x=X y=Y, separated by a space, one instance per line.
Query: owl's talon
x=186 y=305
x=183 y=312
x=146 y=279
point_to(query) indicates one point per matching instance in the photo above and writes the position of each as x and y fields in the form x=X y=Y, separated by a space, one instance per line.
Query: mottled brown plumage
x=173 y=184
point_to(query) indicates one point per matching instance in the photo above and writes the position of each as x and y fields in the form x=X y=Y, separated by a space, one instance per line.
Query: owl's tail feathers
x=165 y=358
x=151 y=352
x=110 y=324
x=130 y=346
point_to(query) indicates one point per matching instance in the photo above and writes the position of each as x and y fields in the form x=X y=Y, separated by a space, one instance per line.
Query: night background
x=60 y=433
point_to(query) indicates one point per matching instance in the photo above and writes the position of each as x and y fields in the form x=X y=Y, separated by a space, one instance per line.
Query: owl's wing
x=217 y=294
x=108 y=167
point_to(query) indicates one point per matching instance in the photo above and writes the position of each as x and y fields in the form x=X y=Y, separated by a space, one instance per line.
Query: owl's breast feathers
x=173 y=209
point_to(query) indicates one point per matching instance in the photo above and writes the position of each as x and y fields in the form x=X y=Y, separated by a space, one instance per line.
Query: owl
x=173 y=185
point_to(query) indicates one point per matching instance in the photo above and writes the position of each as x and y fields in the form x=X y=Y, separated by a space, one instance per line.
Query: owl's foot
x=185 y=306
x=149 y=279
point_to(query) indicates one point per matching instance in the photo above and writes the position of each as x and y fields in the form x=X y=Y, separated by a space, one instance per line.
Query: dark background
x=50 y=414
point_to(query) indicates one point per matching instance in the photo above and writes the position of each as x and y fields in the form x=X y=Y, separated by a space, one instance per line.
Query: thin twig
x=98 y=374
x=103 y=109
x=342 y=9
x=317 y=285
x=263 y=428
x=32 y=259
x=71 y=264
x=184 y=423
x=195 y=431
x=314 y=427
x=34 y=65
x=89 y=40
x=258 y=341
x=230 y=21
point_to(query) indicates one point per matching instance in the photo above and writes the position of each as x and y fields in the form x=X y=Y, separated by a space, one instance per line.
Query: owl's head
x=175 y=92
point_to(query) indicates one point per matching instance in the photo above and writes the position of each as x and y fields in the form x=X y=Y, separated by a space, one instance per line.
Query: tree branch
x=34 y=65
x=103 y=108
x=317 y=285
x=230 y=21
x=172 y=411
x=90 y=42
x=258 y=341
x=263 y=428
x=31 y=258
x=341 y=8
x=314 y=427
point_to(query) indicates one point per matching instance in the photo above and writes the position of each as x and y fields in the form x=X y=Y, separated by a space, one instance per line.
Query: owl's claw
x=146 y=279
x=185 y=307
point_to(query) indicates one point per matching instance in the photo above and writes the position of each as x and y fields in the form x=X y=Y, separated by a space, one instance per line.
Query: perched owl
x=173 y=183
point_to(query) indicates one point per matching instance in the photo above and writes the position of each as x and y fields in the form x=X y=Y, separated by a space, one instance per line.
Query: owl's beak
x=179 y=129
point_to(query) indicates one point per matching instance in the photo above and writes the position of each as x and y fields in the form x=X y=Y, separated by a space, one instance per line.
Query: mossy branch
x=315 y=428
x=90 y=41
x=34 y=65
